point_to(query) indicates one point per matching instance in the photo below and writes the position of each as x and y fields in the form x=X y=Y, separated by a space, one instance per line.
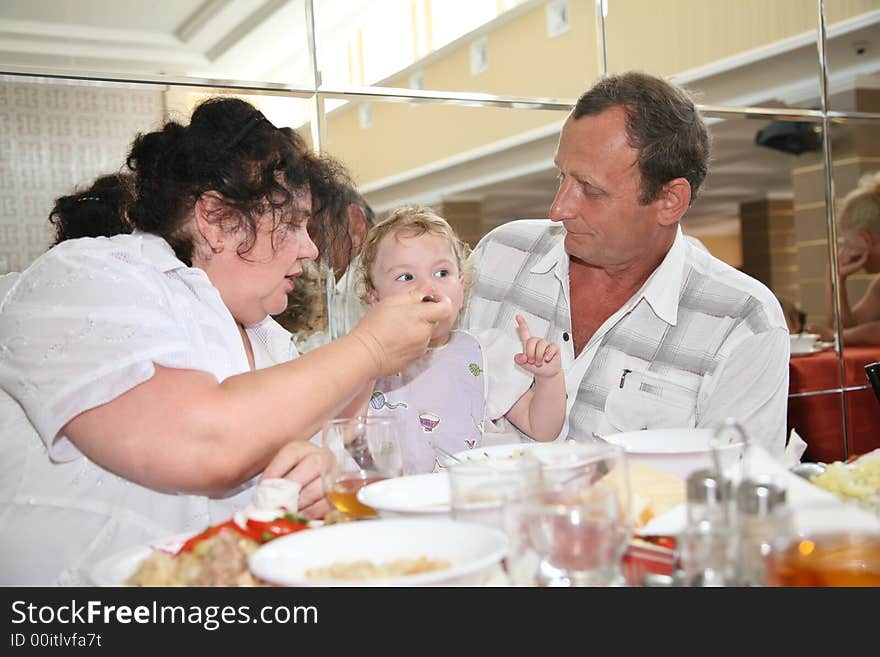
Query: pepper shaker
x=762 y=520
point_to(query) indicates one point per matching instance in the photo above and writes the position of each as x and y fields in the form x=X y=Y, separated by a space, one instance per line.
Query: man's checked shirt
x=698 y=343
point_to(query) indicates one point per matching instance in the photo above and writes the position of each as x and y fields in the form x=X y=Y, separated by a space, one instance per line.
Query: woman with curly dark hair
x=98 y=211
x=149 y=364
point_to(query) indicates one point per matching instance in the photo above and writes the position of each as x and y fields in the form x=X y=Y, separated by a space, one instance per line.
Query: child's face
x=425 y=263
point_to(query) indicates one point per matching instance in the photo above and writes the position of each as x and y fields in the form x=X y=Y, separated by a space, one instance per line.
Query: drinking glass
x=832 y=544
x=564 y=537
x=480 y=489
x=365 y=450
x=583 y=466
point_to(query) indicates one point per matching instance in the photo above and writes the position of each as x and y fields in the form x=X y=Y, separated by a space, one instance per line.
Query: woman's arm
x=182 y=431
x=360 y=403
x=849 y=262
x=863 y=334
x=868 y=307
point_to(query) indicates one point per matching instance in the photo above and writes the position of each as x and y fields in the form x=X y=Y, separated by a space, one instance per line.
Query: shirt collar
x=661 y=290
x=158 y=251
x=556 y=258
x=663 y=287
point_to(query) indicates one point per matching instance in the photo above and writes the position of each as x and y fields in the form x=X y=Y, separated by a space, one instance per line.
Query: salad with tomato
x=261 y=531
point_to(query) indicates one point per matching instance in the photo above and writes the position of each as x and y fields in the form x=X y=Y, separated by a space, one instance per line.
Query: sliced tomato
x=216 y=529
x=269 y=529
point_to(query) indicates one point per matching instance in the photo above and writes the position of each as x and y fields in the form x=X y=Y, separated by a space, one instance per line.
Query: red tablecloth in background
x=818 y=418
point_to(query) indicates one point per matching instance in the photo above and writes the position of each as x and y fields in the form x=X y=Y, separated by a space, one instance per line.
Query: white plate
x=676 y=451
x=423 y=494
x=811 y=349
x=549 y=454
x=473 y=550
x=115 y=569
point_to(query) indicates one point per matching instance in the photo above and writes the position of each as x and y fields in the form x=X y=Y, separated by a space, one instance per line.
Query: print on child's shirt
x=440 y=400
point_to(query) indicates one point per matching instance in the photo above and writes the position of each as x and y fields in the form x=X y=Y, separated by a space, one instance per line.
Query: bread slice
x=652 y=492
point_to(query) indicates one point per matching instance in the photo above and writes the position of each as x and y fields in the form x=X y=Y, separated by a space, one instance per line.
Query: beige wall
x=523 y=61
x=724 y=247
x=705 y=31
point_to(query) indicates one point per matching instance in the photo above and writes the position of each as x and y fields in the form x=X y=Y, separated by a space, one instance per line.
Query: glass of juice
x=837 y=558
x=834 y=544
x=365 y=450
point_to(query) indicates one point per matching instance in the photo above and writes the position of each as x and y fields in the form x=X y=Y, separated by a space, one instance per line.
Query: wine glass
x=365 y=450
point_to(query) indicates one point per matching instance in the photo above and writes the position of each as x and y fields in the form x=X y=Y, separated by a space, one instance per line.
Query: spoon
x=445 y=454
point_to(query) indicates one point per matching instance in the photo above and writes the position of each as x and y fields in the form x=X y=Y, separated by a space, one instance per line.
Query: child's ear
x=372 y=297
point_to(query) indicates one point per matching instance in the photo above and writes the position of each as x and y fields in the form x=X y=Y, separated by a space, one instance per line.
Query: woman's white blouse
x=85 y=323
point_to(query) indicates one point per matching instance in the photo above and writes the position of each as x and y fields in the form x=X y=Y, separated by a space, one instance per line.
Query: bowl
x=474 y=552
x=676 y=451
x=412 y=495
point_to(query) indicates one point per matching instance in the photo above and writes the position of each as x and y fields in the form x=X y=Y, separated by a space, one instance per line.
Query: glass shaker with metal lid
x=706 y=546
x=763 y=524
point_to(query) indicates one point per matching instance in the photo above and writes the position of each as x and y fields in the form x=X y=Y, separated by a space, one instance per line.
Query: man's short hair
x=662 y=124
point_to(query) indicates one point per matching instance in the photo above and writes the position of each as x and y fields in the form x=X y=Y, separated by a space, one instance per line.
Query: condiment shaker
x=705 y=549
x=762 y=520
x=708 y=497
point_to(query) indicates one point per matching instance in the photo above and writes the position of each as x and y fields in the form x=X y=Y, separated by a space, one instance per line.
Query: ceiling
x=266 y=40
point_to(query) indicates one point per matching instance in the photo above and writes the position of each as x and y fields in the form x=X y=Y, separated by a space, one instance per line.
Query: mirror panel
x=856 y=179
x=481 y=166
x=852 y=54
x=729 y=52
x=503 y=47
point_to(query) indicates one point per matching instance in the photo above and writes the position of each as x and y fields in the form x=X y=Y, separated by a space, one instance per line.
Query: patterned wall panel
x=54 y=138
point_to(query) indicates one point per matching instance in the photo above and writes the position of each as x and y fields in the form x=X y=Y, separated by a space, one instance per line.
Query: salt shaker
x=762 y=519
x=706 y=547
x=708 y=497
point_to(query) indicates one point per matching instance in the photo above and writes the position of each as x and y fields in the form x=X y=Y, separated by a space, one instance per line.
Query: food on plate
x=219 y=560
x=859 y=480
x=363 y=570
x=218 y=556
x=652 y=492
x=215 y=557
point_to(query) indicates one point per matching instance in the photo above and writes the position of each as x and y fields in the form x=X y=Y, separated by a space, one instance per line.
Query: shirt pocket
x=645 y=400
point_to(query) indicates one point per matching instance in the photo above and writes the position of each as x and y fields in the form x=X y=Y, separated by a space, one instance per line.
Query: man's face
x=599 y=190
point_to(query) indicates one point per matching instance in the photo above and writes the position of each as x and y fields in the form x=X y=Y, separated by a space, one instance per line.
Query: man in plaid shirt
x=655 y=332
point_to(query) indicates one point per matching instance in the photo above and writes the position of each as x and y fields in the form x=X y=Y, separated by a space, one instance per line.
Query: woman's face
x=425 y=263
x=256 y=284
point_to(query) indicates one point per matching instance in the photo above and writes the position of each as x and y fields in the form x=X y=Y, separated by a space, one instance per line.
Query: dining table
x=814 y=403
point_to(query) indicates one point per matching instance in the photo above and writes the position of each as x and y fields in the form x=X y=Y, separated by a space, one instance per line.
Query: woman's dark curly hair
x=231 y=148
x=99 y=211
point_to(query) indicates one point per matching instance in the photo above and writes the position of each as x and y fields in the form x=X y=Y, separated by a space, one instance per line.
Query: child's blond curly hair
x=412 y=221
